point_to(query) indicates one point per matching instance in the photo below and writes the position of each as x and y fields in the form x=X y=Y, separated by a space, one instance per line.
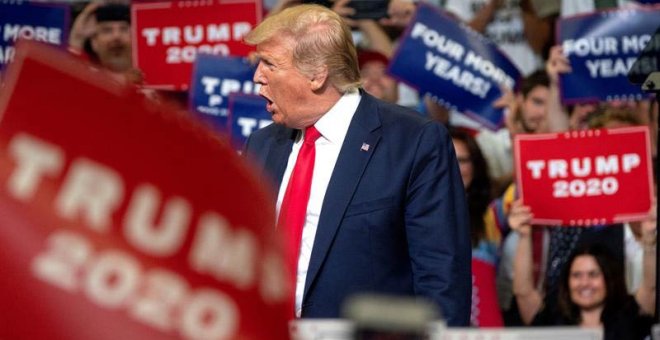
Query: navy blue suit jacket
x=394 y=217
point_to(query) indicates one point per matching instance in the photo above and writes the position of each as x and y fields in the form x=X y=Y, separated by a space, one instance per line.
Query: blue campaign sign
x=48 y=23
x=214 y=79
x=602 y=47
x=247 y=113
x=460 y=68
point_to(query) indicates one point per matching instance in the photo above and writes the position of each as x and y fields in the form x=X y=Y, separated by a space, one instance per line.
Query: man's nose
x=115 y=32
x=258 y=77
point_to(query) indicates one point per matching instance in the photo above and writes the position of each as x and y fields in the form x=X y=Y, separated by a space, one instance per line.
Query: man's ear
x=319 y=78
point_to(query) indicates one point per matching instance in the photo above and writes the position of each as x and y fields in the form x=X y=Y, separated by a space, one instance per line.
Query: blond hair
x=321 y=39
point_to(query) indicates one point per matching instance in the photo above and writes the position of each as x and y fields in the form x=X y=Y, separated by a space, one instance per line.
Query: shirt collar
x=333 y=125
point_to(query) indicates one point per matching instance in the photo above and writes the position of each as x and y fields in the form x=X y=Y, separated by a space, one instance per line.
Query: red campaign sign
x=583 y=178
x=168 y=35
x=123 y=219
x=485 y=311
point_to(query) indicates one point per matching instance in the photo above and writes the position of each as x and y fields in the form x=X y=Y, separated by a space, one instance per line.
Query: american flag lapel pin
x=365 y=147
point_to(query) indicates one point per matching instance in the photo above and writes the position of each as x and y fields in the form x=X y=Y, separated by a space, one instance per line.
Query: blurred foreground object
x=122 y=219
x=390 y=317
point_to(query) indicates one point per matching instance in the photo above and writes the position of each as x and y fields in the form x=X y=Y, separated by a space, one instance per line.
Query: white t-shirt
x=506 y=30
x=497 y=149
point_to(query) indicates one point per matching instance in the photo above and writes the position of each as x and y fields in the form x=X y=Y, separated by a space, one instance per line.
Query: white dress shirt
x=333 y=127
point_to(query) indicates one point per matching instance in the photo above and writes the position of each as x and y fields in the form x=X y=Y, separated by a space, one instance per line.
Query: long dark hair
x=479 y=192
x=616 y=295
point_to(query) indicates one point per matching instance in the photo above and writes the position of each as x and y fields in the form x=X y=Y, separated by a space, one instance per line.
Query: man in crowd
x=375 y=80
x=370 y=194
x=103 y=33
x=527 y=113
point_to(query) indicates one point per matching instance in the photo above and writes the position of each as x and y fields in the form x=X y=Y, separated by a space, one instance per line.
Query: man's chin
x=532 y=128
x=117 y=64
x=277 y=119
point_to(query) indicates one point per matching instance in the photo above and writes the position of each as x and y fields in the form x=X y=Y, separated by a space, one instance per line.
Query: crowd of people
x=598 y=276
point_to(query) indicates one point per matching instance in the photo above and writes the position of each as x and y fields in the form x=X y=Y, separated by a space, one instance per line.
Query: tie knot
x=311 y=134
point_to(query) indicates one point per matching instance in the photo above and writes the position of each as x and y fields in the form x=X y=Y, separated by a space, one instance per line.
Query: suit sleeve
x=437 y=226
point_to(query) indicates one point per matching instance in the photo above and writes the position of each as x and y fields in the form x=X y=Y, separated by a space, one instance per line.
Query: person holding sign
x=485 y=235
x=528 y=110
x=370 y=194
x=375 y=80
x=592 y=290
x=102 y=30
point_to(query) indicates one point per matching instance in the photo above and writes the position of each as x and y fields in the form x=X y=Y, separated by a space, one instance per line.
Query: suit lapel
x=279 y=154
x=363 y=133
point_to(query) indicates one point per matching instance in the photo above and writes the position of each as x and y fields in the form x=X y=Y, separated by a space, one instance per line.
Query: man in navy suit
x=386 y=211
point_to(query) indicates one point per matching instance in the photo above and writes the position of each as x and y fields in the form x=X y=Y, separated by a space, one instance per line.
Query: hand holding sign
x=520 y=217
x=557 y=64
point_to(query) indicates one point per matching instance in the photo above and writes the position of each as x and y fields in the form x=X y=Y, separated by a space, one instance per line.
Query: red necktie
x=296 y=197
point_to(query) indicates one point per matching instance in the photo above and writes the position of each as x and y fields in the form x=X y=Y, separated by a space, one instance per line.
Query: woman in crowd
x=478 y=188
x=485 y=236
x=592 y=290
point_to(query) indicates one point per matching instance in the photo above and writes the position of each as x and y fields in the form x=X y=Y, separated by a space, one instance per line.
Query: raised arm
x=83 y=27
x=645 y=294
x=399 y=12
x=372 y=32
x=537 y=30
x=484 y=16
x=376 y=36
x=557 y=63
x=529 y=299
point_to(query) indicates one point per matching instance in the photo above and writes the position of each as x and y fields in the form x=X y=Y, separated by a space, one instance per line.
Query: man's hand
x=557 y=63
x=83 y=27
x=400 y=13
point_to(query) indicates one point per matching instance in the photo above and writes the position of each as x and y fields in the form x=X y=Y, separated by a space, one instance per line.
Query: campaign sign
x=485 y=311
x=460 y=68
x=122 y=219
x=48 y=23
x=584 y=178
x=214 y=79
x=601 y=48
x=167 y=36
x=247 y=113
